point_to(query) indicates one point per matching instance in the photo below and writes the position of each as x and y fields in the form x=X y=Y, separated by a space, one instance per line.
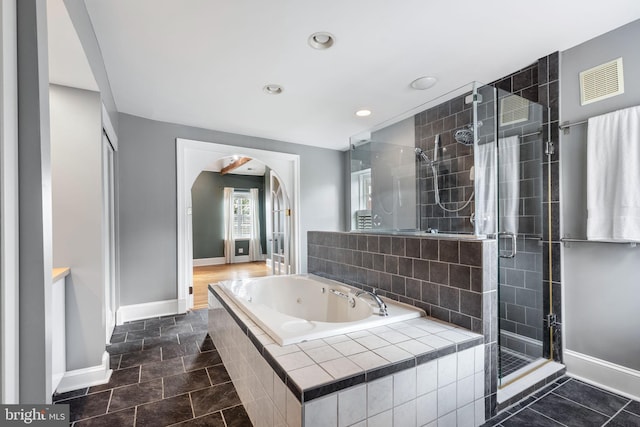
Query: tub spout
x=382 y=307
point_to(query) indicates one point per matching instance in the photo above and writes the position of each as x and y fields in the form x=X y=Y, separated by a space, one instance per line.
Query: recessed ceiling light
x=363 y=113
x=273 y=89
x=321 y=40
x=423 y=83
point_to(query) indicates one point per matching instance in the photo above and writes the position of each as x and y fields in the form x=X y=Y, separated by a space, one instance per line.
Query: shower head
x=465 y=136
x=421 y=154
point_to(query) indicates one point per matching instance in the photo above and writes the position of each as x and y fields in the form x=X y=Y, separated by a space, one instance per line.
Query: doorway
x=195 y=156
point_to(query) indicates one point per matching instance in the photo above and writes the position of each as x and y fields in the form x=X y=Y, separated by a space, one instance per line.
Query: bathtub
x=296 y=308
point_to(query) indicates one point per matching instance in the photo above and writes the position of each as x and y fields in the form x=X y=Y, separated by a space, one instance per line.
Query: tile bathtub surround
x=165 y=371
x=443 y=276
x=356 y=383
x=452 y=280
x=568 y=401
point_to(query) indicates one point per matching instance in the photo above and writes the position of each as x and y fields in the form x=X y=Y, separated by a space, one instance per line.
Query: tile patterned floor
x=511 y=361
x=569 y=402
x=166 y=372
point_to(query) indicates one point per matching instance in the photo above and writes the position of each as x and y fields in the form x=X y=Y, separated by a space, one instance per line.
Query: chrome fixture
x=273 y=89
x=382 y=307
x=465 y=135
x=420 y=153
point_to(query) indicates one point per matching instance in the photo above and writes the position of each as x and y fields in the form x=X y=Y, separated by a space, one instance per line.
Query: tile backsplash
x=442 y=276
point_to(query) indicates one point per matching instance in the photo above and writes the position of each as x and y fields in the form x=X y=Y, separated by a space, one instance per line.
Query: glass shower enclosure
x=469 y=163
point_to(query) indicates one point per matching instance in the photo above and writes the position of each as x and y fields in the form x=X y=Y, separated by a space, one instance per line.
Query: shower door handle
x=514 y=244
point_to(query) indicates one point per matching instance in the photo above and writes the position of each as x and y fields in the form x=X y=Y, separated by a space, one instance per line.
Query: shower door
x=518 y=150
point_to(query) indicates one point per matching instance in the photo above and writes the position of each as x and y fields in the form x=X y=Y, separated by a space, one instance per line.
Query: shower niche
x=468 y=164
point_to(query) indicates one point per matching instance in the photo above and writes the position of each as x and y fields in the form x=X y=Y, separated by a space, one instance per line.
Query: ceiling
x=204 y=62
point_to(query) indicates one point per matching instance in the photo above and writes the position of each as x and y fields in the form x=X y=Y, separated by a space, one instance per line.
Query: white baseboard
x=127 y=313
x=201 y=262
x=606 y=375
x=86 y=377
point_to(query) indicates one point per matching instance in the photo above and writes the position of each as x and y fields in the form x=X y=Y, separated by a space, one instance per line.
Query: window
x=241 y=216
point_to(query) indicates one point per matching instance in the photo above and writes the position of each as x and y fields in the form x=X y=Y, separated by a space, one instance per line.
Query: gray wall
x=79 y=15
x=34 y=163
x=78 y=241
x=601 y=303
x=147 y=185
x=207 y=200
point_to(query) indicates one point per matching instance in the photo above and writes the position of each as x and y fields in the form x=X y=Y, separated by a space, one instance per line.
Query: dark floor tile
x=591 y=397
x=568 y=412
x=184 y=383
x=197 y=337
x=202 y=360
x=161 y=369
x=119 y=378
x=207 y=345
x=213 y=399
x=497 y=419
x=200 y=327
x=156 y=342
x=171 y=351
x=634 y=407
x=140 y=358
x=176 y=329
x=128 y=327
x=57 y=397
x=124 y=347
x=88 y=406
x=168 y=411
x=211 y=420
x=218 y=374
x=116 y=338
x=529 y=418
x=625 y=419
x=158 y=322
x=236 y=417
x=136 y=394
x=121 y=419
x=114 y=361
x=145 y=333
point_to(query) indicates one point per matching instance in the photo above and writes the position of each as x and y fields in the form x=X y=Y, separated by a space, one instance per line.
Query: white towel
x=613 y=176
x=509 y=191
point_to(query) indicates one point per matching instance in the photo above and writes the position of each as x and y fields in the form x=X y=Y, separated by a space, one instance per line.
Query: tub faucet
x=382 y=307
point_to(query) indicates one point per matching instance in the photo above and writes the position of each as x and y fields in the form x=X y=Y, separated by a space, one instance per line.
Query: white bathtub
x=297 y=308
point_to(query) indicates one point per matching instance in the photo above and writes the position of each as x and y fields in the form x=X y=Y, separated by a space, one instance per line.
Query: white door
x=280 y=228
x=108 y=186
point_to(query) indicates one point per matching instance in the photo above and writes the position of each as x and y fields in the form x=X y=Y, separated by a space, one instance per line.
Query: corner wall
x=76 y=176
x=147 y=199
x=600 y=279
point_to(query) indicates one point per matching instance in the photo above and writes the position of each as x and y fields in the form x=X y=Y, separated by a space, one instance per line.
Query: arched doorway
x=194 y=157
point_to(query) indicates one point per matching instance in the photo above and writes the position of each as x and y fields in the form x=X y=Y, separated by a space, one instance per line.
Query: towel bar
x=567 y=242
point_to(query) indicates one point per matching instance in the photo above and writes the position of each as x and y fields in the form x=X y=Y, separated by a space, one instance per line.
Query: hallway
x=202 y=276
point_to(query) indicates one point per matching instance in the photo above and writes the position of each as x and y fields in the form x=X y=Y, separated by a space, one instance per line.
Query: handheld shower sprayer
x=420 y=153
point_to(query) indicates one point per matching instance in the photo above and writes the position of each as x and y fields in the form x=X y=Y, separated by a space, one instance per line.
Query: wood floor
x=202 y=276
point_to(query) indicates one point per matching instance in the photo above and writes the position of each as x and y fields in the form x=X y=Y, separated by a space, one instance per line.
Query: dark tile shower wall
x=523 y=305
x=455 y=162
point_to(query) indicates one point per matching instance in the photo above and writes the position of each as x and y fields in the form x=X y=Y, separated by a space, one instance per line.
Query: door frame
x=192 y=157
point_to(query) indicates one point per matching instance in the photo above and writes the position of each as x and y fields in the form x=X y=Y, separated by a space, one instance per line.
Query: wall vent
x=601 y=82
x=513 y=109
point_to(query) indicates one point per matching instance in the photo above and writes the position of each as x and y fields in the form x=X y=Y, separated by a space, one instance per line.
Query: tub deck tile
x=346 y=359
